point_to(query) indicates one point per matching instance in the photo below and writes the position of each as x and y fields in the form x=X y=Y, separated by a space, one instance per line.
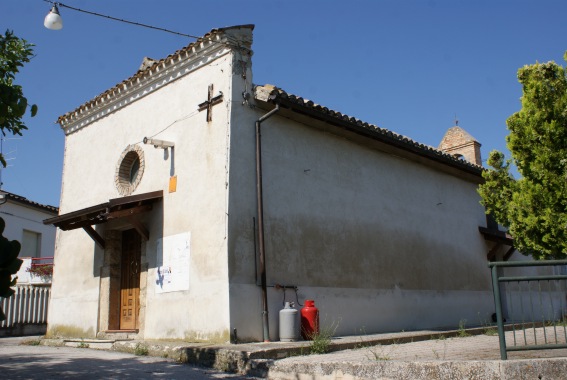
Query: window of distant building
x=31 y=244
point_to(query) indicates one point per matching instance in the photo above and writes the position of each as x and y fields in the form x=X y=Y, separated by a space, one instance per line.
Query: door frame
x=110 y=277
x=130 y=269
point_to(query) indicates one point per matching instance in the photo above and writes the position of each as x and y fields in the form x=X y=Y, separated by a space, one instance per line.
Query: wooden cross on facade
x=209 y=103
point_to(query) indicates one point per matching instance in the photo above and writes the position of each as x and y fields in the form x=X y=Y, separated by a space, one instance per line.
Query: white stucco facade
x=164 y=108
x=381 y=232
x=381 y=243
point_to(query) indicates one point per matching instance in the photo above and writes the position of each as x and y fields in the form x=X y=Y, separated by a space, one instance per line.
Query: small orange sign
x=173 y=184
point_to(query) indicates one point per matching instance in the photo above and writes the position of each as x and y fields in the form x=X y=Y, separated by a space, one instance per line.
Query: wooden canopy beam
x=95 y=236
x=128 y=211
x=143 y=231
x=117 y=208
x=496 y=236
x=500 y=238
x=491 y=255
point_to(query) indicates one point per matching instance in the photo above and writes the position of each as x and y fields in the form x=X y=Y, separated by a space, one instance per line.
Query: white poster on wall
x=173 y=257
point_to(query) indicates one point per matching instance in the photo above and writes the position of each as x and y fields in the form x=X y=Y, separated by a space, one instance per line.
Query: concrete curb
x=289 y=360
x=426 y=370
x=256 y=359
x=227 y=359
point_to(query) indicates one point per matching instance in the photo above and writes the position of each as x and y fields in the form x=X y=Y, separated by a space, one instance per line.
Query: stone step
x=97 y=344
x=118 y=335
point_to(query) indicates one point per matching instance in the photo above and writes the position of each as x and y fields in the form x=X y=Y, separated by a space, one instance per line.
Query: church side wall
x=193 y=218
x=379 y=242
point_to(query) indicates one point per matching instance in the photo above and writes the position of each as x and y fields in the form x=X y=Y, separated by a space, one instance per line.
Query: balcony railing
x=42 y=260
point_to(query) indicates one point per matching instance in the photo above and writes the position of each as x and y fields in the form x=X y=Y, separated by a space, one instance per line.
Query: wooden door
x=130 y=280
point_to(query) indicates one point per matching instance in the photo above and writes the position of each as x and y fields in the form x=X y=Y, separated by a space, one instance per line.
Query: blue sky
x=408 y=66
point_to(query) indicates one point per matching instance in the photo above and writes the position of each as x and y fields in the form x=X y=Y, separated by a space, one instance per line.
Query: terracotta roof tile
x=146 y=70
x=277 y=94
x=23 y=200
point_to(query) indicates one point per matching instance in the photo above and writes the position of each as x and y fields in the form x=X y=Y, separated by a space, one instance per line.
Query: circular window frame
x=123 y=180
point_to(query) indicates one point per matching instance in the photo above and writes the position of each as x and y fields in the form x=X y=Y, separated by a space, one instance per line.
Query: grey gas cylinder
x=289 y=323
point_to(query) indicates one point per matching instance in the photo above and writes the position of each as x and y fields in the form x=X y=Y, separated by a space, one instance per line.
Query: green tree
x=14 y=52
x=534 y=207
x=9 y=265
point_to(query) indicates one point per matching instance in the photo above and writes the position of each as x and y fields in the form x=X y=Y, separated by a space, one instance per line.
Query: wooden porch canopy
x=500 y=238
x=118 y=208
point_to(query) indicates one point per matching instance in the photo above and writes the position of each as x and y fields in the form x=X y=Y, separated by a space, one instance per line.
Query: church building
x=194 y=202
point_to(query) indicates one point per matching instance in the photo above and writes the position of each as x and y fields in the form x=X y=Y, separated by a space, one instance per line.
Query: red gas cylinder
x=309 y=320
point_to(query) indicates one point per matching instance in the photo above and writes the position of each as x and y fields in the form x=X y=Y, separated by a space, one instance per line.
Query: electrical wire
x=170 y=125
x=121 y=20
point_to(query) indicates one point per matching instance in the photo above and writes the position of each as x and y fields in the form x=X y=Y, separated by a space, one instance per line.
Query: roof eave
x=389 y=142
x=214 y=36
x=27 y=203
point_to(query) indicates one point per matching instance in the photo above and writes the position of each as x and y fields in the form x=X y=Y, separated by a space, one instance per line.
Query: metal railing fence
x=27 y=305
x=41 y=261
x=533 y=304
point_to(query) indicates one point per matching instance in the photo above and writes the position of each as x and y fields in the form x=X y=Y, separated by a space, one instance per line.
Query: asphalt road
x=19 y=361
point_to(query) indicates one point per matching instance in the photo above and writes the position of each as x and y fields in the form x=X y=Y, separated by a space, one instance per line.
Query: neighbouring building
x=194 y=202
x=26 y=310
x=24 y=223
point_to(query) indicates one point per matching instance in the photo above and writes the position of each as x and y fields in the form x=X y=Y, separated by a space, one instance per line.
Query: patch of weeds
x=462 y=332
x=141 y=350
x=378 y=353
x=31 y=342
x=436 y=354
x=556 y=323
x=441 y=337
x=379 y=358
x=489 y=329
x=83 y=345
x=362 y=343
x=321 y=341
x=381 y=353
x=300 y=352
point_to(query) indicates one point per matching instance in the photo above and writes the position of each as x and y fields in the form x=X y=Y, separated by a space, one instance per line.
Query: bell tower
x=460 y=143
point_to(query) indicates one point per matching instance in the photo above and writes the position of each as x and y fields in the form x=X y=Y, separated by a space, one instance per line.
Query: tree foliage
x=14 y=52
x=534 y=207
x=9 y=265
